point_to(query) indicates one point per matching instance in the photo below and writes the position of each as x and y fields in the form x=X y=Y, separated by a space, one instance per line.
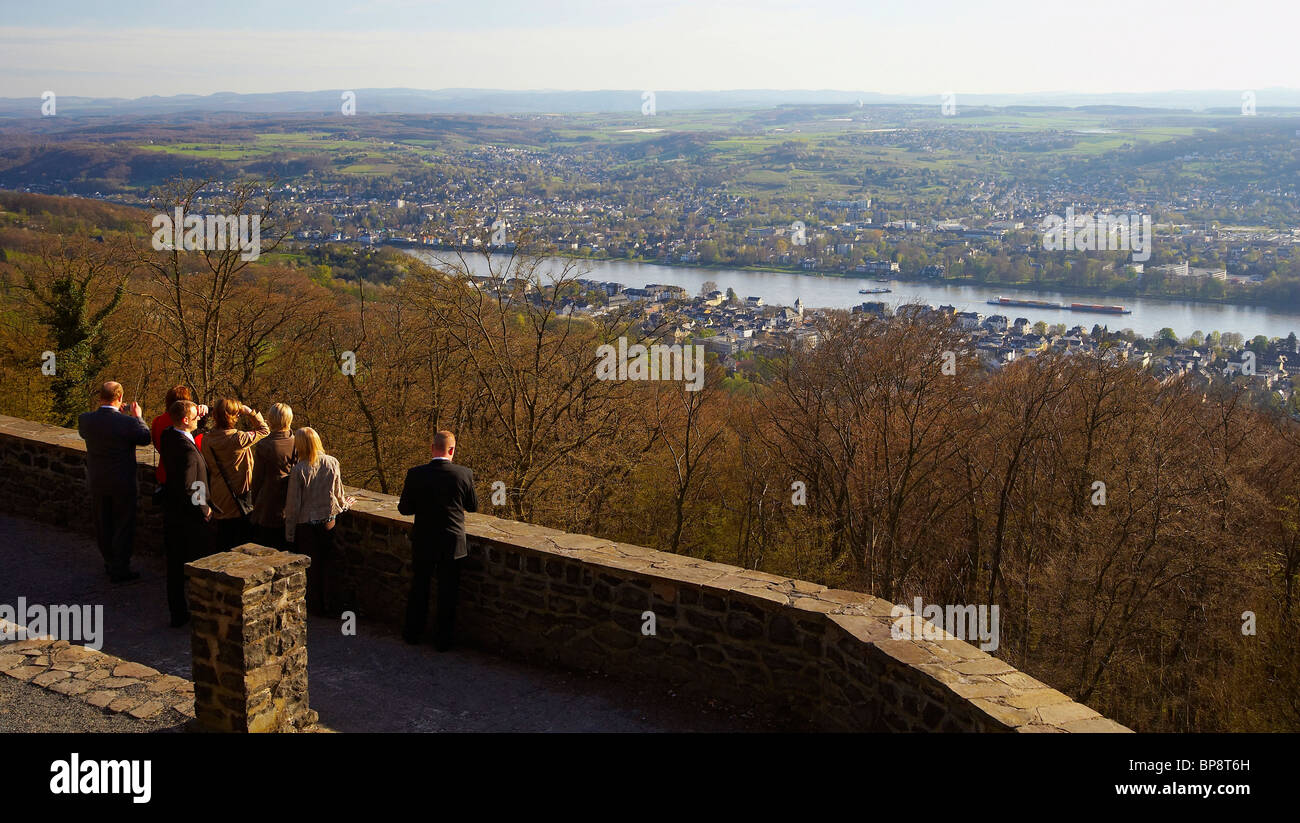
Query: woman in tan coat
x=229 y=453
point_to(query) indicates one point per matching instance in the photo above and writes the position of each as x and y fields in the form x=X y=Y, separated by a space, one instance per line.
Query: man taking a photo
x=112 y=433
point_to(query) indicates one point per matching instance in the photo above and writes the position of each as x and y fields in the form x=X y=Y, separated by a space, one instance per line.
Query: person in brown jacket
x=273 y=459
x=229 y=453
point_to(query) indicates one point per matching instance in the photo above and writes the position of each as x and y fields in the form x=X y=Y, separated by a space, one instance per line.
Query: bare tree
x=206 y=320
x=533 y=360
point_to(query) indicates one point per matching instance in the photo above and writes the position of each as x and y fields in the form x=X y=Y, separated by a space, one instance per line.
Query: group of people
x=221 y=484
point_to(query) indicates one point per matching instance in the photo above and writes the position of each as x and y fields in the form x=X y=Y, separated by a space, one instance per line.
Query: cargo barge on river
x=1048 y=304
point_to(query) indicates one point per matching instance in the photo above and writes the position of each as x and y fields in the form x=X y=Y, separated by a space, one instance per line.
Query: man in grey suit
x=112 y=433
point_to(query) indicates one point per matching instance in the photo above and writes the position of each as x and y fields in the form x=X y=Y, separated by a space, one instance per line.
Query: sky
x=135 y=49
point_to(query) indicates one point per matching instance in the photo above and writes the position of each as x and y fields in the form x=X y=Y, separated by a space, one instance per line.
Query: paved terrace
x=371 y=682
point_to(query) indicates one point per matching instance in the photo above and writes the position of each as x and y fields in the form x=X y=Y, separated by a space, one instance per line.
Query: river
x=783 y=288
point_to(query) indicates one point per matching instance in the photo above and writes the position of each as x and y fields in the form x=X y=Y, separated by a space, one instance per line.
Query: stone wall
x=788 y=648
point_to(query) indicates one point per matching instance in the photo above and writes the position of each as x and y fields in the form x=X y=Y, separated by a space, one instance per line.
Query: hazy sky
x=122 y=48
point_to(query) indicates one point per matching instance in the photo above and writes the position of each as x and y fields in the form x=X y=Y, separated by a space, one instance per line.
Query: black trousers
x=185 y=538
x=317 y=542
x=428 y=562
x=114 y=515
x=270 y=536
x=232 y=532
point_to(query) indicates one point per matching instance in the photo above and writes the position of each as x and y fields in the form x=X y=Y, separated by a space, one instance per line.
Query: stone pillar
x=249 y=640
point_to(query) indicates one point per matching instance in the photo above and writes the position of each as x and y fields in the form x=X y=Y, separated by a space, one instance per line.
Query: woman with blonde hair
x=314 y=499
x=273 y=459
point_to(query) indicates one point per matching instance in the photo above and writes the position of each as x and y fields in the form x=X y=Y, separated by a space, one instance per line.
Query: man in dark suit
x=186 y=507
x=112 y=434
x=438 y=494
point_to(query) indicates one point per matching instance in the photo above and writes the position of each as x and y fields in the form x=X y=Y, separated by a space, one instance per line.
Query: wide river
x=782 y=288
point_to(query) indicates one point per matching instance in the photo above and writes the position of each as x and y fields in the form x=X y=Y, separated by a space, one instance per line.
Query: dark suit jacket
x=185 y=466
x=111 y=438
x=438 y=494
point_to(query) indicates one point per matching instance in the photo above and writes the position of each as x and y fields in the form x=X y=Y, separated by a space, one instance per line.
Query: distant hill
x=498 y=101
x=88 y=214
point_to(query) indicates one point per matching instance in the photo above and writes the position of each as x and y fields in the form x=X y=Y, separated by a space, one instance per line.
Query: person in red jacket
x=163 y=422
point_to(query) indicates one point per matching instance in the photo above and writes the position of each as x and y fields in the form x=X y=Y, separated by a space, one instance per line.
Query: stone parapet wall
x=787 y=648
x=43 y=477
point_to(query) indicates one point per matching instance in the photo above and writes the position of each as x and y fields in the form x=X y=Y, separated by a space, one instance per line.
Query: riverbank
x=839 y=290
x=901 y=277
x=959 y=281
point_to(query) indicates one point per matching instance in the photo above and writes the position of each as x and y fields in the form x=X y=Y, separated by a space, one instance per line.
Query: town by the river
x=1148 y=316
